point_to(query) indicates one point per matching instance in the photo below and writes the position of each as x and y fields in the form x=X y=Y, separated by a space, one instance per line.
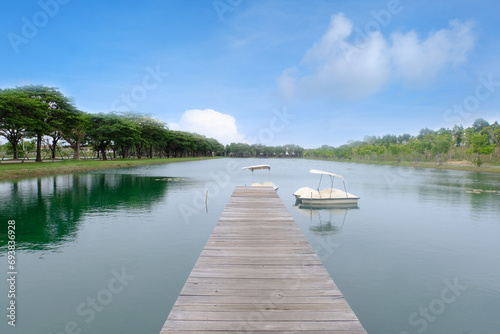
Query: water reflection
x=481 y=190
x=48 y=210
x=326 y=220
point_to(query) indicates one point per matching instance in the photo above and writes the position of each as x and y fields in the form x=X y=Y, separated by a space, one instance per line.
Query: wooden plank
x=272 y=292
x=246 y=324
x=270 y=332
x=258 y=307
x=275 y=315
x=258 y=274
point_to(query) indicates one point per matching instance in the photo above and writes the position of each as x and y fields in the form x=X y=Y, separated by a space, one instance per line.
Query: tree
x=458 y=134
x=152 y=131
x=180 y=143
x=15 y=107
x=49 y=110
x=416 y=146
x=126 y=133
x=404 y=138
x=294 y=150
x=215 y=147
x=424 y=132
x=387 y=140
x=74 y=132
x=479 y=124
x=102 y=132
x=370 y=140
x=441 y=145
x=394 y=149
x=494 y=132
x=480 y=145
x=240 y=149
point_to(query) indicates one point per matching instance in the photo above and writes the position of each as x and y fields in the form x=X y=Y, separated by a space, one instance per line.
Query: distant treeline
x=45 y=117
x=49 y=117
x=478 y=143
x=262 y=151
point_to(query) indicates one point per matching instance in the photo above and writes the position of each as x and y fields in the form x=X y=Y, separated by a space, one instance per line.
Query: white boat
x=327 y=197
x=262 y=184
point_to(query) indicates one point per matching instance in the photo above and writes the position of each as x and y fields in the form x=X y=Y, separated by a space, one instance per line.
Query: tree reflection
x=49 y=210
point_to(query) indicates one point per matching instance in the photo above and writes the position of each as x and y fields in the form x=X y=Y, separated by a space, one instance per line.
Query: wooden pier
x=258 y=274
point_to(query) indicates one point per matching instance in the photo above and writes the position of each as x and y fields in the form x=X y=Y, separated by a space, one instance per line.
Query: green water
x=108 y=252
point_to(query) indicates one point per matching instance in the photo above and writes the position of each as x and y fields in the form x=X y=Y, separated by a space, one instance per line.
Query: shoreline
x=16 y=170
x=446 y=166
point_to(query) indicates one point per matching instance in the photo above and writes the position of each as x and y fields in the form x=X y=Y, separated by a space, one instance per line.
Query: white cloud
x=349 y=63
x=210 y=123
x=416 y=60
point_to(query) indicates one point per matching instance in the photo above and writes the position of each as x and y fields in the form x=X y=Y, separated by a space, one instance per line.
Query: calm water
x=108 y=252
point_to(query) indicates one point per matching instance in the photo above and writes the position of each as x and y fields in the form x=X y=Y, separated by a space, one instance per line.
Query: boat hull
x=266 y=184
x=319 y=202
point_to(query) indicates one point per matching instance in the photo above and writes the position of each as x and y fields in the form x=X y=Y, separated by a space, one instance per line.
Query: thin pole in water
x=206 y=201
x=331 y=186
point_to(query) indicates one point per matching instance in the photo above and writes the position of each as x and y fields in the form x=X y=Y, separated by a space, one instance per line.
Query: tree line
x=478 y=143
x=45 y=114
x=263 y=151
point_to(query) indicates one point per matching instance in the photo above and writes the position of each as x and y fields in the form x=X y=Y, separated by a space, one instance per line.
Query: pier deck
x=257 y=273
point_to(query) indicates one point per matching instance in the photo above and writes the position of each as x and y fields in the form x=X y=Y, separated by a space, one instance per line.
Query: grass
x=29 y=169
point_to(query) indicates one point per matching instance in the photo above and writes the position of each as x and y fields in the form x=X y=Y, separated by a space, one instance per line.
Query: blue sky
x=264 y=71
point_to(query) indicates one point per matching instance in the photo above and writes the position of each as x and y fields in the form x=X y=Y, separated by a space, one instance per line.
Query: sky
x=270 y=72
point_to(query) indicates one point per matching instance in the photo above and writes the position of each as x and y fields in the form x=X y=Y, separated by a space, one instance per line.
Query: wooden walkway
x=258 y=274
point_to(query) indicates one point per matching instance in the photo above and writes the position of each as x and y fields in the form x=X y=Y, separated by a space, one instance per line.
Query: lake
x=109 y=251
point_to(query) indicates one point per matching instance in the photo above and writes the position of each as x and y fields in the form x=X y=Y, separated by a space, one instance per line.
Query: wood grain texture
x=258 y=274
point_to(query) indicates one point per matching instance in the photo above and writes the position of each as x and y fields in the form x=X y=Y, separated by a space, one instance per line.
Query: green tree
x=75 y=130
x=152 y=131
x=416 y=146
x=493 y=131
x=404 y=138
x=480 y=124
x=395 y=150
x=458 y=135
x=15 y=110
x=125 y=133
x=49 y=110
x=441 y=145
x=424 y=132
x=102 y=132
x=480 y=145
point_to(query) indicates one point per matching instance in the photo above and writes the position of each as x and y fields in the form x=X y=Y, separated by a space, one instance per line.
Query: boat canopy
x=252 y=168
x=314 y=171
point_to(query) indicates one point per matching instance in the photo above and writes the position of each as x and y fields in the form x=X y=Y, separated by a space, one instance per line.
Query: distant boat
x=327 y=197
x=263 y=184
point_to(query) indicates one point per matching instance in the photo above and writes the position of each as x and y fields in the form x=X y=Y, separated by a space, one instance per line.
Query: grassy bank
x=28 y=169
x=449 y=165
